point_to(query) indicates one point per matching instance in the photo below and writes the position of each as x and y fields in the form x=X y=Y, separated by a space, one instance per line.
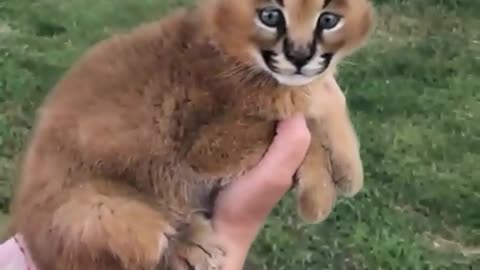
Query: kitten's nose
x=299 y=55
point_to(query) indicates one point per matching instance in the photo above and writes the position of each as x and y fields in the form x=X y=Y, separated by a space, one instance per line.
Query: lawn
x=414 y=97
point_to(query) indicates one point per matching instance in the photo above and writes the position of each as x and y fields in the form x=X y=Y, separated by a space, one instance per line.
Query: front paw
x=347 y=171
x=198 y=249
x=316 y=194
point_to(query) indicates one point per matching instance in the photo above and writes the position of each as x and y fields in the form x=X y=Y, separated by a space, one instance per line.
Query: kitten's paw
x=347 y=171
x=142 y=247
x=109 y=226
x=199 y=249
x=206 y=255
x=316 y=194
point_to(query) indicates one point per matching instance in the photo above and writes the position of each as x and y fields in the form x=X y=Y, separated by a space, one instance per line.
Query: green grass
x=414 y=96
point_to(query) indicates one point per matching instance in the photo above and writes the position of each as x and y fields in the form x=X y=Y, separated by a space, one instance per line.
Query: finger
x=254 y=195
x=285 y=154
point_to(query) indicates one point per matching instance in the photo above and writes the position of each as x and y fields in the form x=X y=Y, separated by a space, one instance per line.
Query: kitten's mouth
x=287 y=73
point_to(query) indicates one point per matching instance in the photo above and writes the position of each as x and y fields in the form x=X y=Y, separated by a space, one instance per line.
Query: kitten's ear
x=367 y=22
x=362 y=19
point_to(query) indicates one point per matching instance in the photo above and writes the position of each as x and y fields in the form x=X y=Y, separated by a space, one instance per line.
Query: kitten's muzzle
x=298 y=54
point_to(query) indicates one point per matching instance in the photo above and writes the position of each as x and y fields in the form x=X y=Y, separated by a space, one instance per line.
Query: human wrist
x=237 y=241
x=236 y=251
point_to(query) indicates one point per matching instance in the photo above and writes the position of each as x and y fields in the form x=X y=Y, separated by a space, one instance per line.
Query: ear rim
x=370 y=15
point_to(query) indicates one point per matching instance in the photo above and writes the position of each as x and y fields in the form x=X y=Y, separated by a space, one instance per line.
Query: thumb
x=252 y=197
x=285 y=154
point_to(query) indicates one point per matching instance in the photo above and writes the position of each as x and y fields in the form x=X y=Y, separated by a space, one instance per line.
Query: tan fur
x=130 y=144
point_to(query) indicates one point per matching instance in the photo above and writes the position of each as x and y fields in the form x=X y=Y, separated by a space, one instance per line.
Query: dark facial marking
x=280 y=2
x=267 y=56
x=281 y=31
x=326 y=3
x=328 y=58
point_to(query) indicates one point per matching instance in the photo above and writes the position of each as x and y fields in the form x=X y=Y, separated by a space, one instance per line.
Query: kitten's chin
x=293 y=80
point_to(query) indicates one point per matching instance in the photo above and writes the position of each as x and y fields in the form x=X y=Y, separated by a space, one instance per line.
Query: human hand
x=242 y=208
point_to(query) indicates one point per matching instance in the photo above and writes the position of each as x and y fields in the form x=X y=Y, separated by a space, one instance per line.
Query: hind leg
x=196 y=247
x=97 y=227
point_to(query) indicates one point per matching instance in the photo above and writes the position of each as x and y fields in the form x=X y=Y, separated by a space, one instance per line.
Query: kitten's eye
x=271 y=17
x=328 y=20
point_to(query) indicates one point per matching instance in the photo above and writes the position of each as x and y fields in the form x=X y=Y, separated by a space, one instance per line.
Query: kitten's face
x=295 y=41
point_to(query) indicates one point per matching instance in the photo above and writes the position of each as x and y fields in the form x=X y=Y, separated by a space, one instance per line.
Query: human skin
x=242 y=208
